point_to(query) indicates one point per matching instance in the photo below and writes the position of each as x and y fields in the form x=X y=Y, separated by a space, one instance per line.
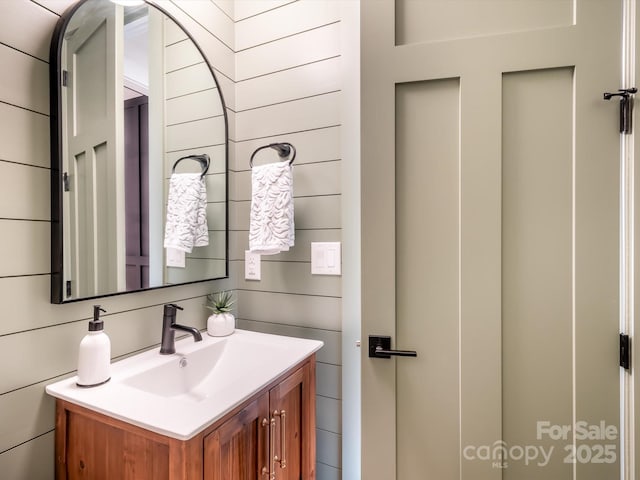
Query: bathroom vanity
x=225 y=419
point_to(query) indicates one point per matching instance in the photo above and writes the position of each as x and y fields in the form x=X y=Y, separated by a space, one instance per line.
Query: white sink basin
x=180 y=395
x=193 y=375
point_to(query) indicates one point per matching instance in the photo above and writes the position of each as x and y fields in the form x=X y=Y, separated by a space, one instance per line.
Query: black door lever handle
x=381 y=353
x=380 y=347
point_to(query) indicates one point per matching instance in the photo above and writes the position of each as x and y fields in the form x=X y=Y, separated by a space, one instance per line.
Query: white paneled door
x=94 y=155
x=491 y=239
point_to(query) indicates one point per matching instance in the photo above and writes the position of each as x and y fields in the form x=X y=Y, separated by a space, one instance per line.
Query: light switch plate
x=251 y=265
x=176 y=258
x=326 y=258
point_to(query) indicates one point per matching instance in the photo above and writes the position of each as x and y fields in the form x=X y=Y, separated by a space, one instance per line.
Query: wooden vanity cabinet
x=272 y=438
x=239 y=449
x=269 y=436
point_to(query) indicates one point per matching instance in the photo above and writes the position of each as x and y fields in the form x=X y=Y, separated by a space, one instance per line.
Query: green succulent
x=220 y=302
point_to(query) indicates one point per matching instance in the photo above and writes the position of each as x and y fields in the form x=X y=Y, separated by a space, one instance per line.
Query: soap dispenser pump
x=94 y=356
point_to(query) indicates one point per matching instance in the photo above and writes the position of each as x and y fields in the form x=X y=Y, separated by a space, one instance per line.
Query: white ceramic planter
x=221 y=324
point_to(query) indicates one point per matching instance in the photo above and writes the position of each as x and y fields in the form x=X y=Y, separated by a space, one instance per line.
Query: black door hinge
x=625 y=351
x=68 y=288
x=65 y=182
x=65 y=78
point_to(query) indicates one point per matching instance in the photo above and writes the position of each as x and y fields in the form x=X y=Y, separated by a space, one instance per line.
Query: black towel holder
x=284 y=150
x=203 y=159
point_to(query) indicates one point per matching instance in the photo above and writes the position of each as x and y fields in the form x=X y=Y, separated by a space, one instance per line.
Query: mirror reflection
x=135 y=97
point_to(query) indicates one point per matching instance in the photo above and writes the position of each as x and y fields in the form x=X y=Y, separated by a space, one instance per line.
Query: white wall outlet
x=326 y=258
x=176 y=258
x=251 y=265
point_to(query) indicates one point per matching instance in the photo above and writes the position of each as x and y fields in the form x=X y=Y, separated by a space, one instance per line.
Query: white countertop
x=248 y=362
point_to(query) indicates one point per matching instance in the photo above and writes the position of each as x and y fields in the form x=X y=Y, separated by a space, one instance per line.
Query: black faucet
x=169 y=327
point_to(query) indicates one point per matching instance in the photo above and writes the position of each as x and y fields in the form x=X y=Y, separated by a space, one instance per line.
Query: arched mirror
x=132 y=98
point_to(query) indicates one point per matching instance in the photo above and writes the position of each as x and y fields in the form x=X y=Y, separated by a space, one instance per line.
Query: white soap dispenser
x=94 y=357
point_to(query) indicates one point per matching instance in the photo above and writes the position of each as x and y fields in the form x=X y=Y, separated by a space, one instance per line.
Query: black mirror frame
x=55 y=110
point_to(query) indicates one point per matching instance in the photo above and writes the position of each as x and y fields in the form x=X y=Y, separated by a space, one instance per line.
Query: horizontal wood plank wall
x=194 y=124
x=281 y=81
x=39 y=341
x=288 y=87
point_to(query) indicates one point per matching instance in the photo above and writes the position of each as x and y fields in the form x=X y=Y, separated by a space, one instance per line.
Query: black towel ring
x=284 y=150
x=203 y=159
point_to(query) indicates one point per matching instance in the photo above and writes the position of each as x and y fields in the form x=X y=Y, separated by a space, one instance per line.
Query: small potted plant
x=221 y=322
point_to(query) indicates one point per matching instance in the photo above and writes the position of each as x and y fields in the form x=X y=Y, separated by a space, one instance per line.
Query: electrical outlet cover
x=176 y=258
x=251 y=265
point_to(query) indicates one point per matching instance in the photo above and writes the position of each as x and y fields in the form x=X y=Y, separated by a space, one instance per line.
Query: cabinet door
x=292 y=405
x=97 y=451
x=238 y=450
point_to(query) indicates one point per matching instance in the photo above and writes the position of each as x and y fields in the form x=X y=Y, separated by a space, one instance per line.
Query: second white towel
x=271 y=228
x=186 y=225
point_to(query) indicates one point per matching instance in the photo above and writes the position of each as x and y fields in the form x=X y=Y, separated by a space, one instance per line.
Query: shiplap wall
x=194 y=124
x=288 y=88
x=278 y=63
x=38 y=340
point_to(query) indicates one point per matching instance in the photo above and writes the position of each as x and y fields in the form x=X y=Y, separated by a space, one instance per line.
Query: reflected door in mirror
x=94 y=160
x=136 y=160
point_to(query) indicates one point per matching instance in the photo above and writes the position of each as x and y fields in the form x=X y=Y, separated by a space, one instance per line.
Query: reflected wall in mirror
x=131 y=93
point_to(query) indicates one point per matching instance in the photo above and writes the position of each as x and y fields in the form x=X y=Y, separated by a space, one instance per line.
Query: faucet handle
x=170 y=310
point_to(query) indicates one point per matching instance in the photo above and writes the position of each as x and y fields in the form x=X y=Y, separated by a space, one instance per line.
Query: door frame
x=351 y=239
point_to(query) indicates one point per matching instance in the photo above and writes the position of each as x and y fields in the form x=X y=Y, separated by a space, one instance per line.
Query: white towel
x=186 y=225
x=271 y=228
